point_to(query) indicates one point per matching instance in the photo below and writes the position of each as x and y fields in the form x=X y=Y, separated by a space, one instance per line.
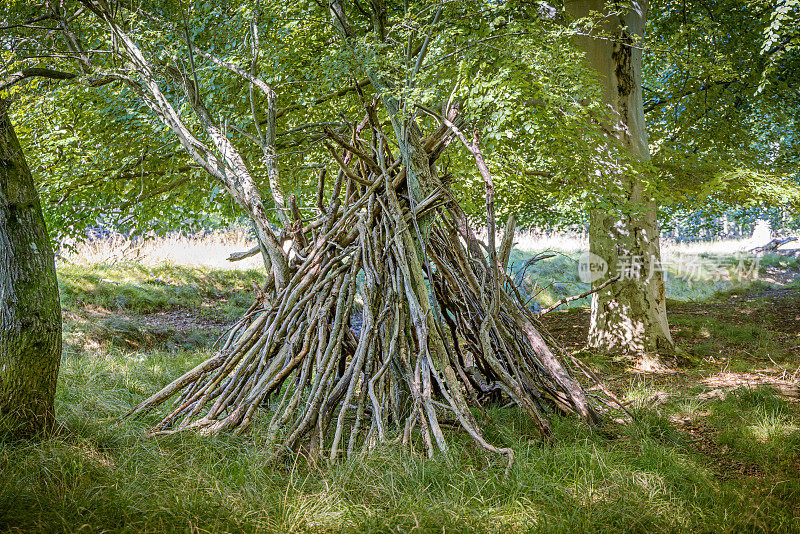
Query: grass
x=686 y=463
x=692 y=271
x=99 y=474
x=137 y=288
x=760 y=427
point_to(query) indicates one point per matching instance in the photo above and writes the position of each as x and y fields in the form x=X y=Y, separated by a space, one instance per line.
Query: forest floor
x=738 y=343
x=713 y=446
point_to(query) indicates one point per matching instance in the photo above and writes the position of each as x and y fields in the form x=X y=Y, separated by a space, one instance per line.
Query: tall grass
x=100 y=474
x=206 y=249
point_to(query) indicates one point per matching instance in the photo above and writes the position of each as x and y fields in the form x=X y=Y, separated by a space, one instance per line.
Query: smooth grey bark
x=630 y=315
x=222 y=160
x=30 y=311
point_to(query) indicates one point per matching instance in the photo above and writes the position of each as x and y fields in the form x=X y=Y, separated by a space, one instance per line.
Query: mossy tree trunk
x=30 y=311
x=628 y=316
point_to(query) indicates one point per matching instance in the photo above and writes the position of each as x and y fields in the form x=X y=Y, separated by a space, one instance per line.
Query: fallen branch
x=576 y=297
x=774 y=244
x=236 y=256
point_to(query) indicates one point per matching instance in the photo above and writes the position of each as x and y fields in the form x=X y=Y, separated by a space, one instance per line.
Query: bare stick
x=577 y=297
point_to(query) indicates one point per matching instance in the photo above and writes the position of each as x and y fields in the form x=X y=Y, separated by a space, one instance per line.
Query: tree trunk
x=630 y=315
x=30 y=311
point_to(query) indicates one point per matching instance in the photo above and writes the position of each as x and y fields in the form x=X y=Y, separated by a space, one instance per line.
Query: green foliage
x=101 y=155
x=779 y=261
x=722 y=123
x=720 y=91
x=781 y=41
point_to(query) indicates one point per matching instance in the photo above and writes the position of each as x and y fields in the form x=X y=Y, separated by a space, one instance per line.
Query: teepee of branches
x=387 y=318
x=395 y=319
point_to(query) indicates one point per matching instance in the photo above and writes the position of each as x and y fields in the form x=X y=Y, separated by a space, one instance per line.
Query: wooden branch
x=321 y=191
x=576 y=297
x=141 y=174
x=345 y=169
x=36 y=72
x=353 y=150
x=164 y=189
x=27 y=23
x=507 y=243
x=267 y=139
x=322 y=100
x=658 y=102
x=537 y=257
x=236 y=256
x=774 y=244
x=429 y=203
x=469 y=45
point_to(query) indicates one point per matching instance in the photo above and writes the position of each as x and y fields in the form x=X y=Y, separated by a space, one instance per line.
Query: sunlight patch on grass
x=689 y=408
x=771 y=424
x=134 y=288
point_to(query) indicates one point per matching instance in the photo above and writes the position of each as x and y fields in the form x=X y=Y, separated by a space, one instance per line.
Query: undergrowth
x=99 y=473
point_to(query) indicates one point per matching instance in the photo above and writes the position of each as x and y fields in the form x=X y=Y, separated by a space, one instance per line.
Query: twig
x=576 y=297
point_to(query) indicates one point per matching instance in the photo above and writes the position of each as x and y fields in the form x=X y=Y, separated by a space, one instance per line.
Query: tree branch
x=658 y=102
x=322 y=100
x=576 y=297
x=154 y=193
x=35 y=72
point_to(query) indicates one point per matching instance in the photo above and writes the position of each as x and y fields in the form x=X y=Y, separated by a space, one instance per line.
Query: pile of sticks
x=395 y=322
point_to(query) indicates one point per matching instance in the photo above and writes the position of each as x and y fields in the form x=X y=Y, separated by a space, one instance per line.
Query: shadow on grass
x=100 y=474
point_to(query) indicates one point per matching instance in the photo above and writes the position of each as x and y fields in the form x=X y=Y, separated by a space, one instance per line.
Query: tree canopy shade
x=518 y=79
x=516 y=71
x=440 y=331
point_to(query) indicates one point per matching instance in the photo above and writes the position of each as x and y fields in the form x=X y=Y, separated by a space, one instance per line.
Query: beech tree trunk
x=628 y=316
x=30 y=311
